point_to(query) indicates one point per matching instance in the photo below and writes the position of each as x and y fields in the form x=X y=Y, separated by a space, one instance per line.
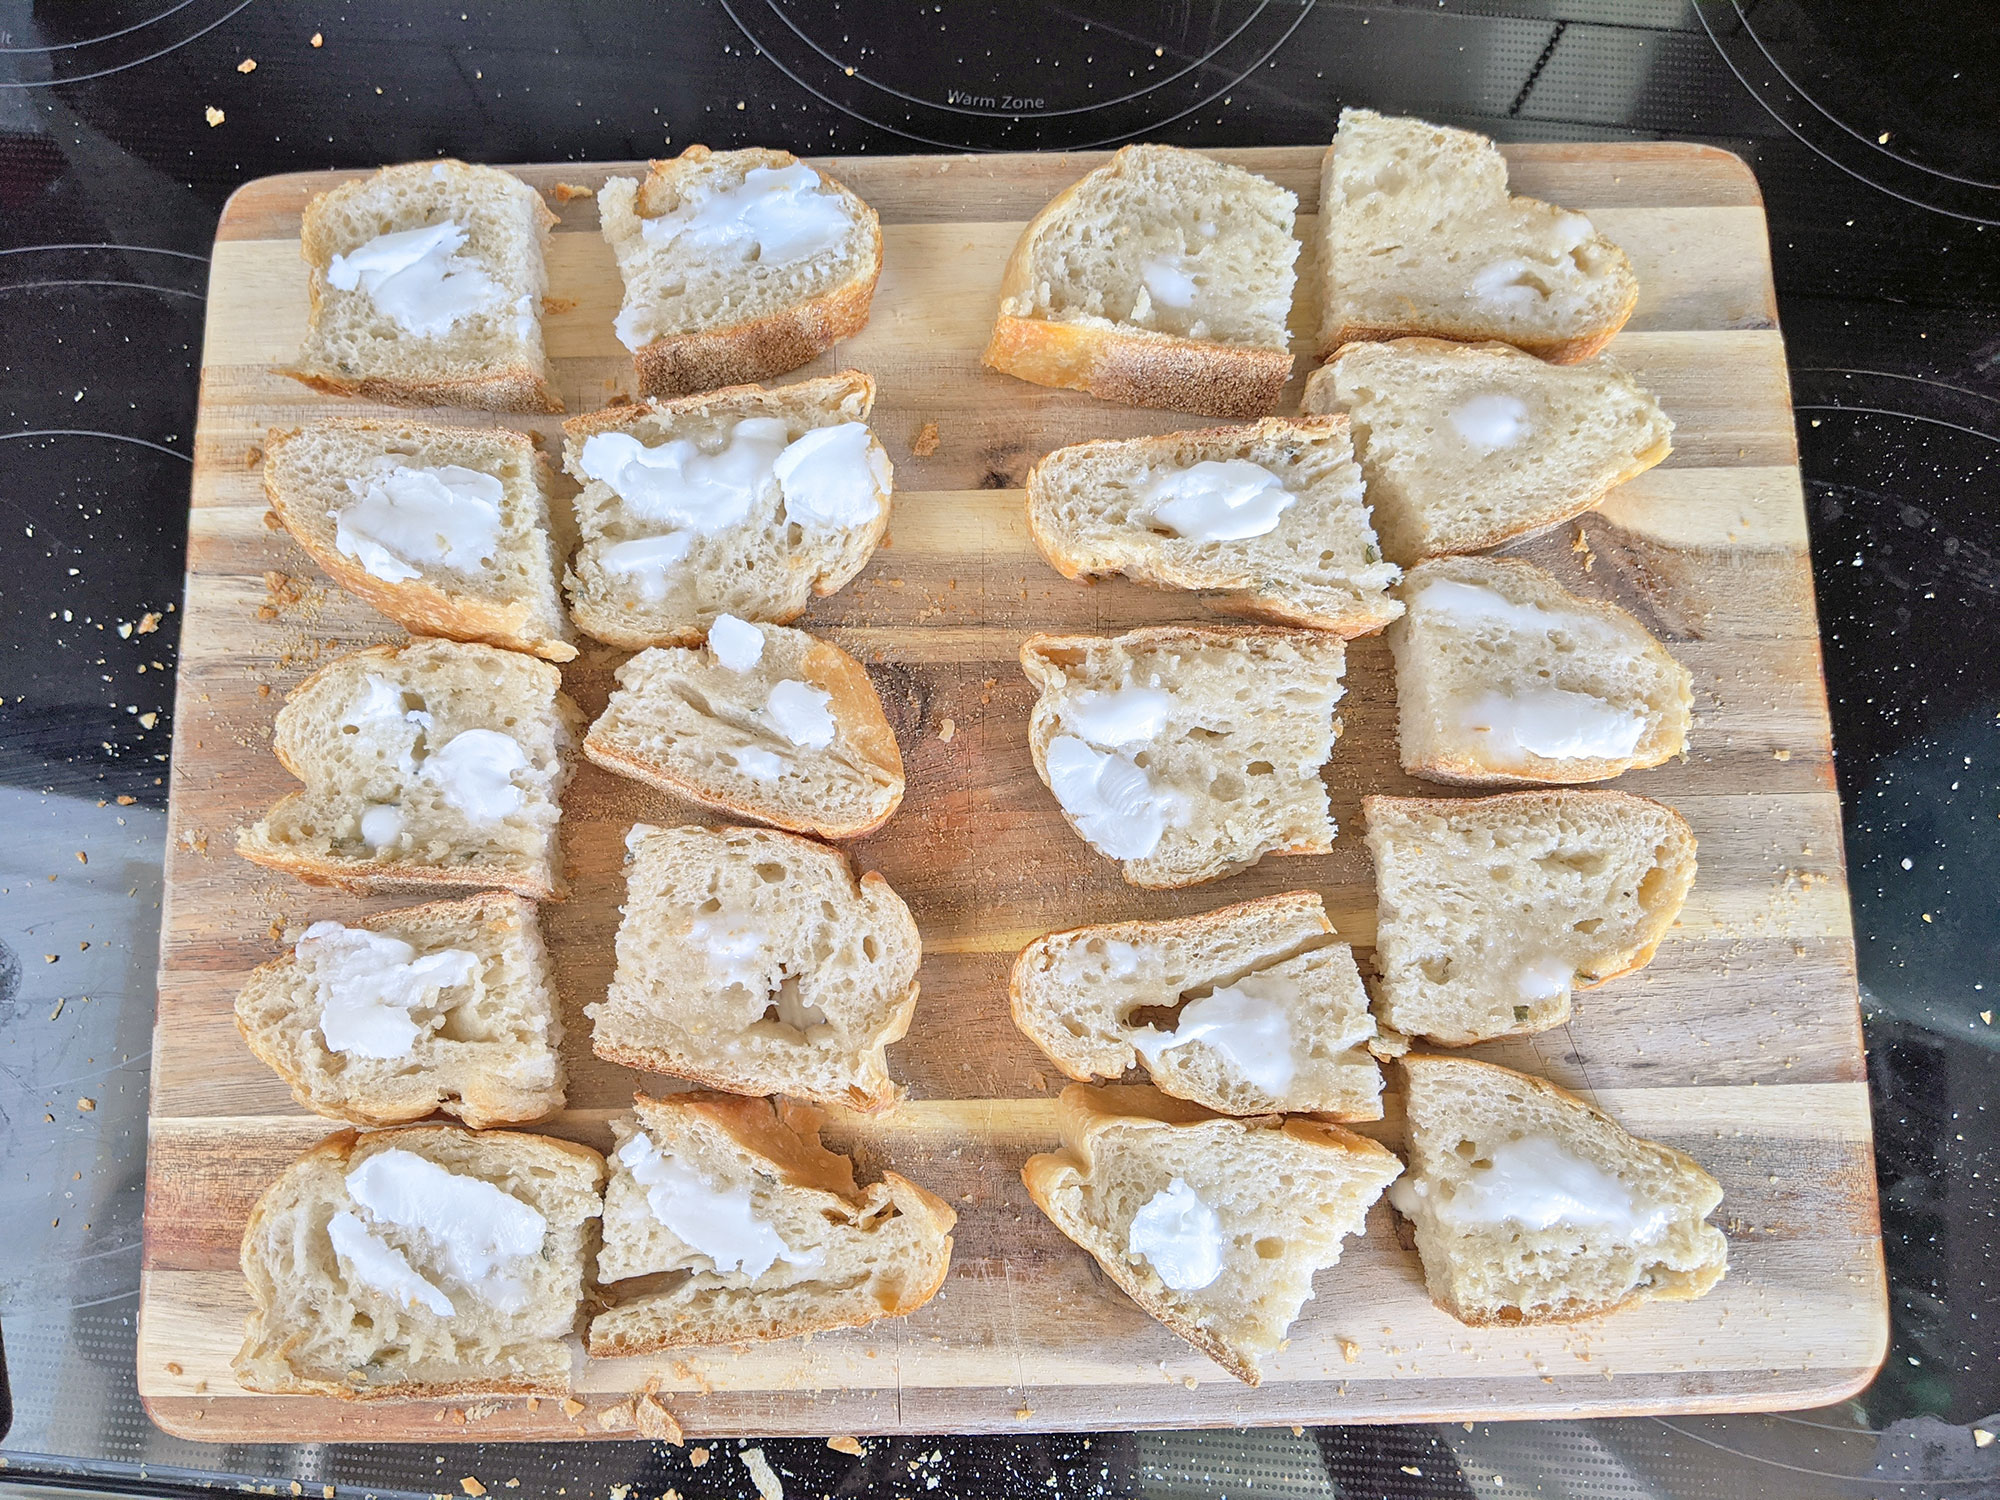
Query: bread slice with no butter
x=1419 y=234
x=755 y=962
x=726 y=1222
x=449 y=531
x=1245 y=1010
x=426 y=285
x=1215 y=1226
x=1490 y=910
x=1271 y=518
x=1504 y=677
x=1468 y=445
x=1532 y=1206
x=1188 y=752
x=1163 y=278
x=745 y=501
x=738 y=266
x=762 y=722
x=428 y=1261
x=429 y=763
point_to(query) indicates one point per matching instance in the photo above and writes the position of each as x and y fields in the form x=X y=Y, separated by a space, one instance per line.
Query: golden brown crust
x=680 y=1065
x=1140 y=367
x=1555 y=351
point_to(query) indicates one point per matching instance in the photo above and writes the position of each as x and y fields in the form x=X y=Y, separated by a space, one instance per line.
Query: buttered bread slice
x=1215 y=1226
x=1468 y=445
x=1184 y=752
x=1245 y=1010
x=1532 y=1206
x=755 y=962
x=1504 y=677
x=1271 y=518
x=1492 y=909
x=726 y=1221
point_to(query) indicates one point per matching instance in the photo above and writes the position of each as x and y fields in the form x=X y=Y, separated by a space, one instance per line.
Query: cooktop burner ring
x=94 y=53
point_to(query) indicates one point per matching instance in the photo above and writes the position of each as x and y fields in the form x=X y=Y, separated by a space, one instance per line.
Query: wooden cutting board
x=1740 y=1044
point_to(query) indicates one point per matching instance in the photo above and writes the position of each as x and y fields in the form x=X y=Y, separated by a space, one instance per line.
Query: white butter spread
x=1472 y=605
x=368 y=983
x=478 y=1232
x=1124 y=716
x=833 y=477
x=382 y=713
x=799 y=712
x=418 y=280
x=736 y=644
x=720 y=1223
x=647 y=561
x=1226 y=501
x=776 y=215
x=1537 y=1183
x=1553 y=723
x=381 y=825
x=737 y=949
x=1112 y=801
x=403 y=520
x=1509 y=285
x=676 y=484
x=1180 y=1235
x=382 y=1266
x=1491 y=422
x=475 y=773
x=1100 y=960
x=759 y=764
x=1544 y=977
x=1245 y=1024
x=1168 y=283
x=1571 y=230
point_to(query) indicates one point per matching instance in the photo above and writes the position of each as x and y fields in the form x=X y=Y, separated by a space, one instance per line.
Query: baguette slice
x=1468 y=445
x=1142 y=507
x=1419 y=235
x=429 y=763
x=1163 y=278
x=470 y=555
x=714 y=297
x=743 y=734
x=1532 y=1206
x=726 y=1222
x=320 y=1327
x=446 y=319
x=1491 y=909
x=755 y=962
x=446 y=1007
x=1283 y=1194
x=727 y=536
x=1504 y=677
x=1188 y=752
x=1272 y=1008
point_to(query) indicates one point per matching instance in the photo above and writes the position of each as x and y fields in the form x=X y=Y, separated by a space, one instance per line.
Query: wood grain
x=1740 y=1044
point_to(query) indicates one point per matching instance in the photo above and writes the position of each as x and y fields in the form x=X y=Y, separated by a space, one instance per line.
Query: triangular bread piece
x=1532 y=1206
x=726 y=1221
x=1215 y=1226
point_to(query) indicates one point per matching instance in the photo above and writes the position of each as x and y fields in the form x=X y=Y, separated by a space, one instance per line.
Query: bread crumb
x=1981 y=1438
x=1298 y=1432
x=215 y=116
x=81 y=857
x=555 y=307
x=1190 y=1382
x=1022 y=1413
x=986 y=689
x=534 y=1402
x=761 y=1475
x=147 y=721
x=248 y=65
x=317 y=39
x=252 y=456
x=614 y=1418
x=1781 y=755
x=471 y=1486
x=925 y=443
x=1041 y=1084
x=567 y=192
x=173 y=1367
x=282 y=587
x=655 y=1421
x=148 y=623
x=946 y=730
x=847 y=1445
x=125 y=801
x=697 y=1457
x=571 y=1406
x=1349 y=1350
x=271 y=520
x=86 y=1105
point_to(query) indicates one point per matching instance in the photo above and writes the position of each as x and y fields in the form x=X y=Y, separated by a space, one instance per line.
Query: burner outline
x=45 y=83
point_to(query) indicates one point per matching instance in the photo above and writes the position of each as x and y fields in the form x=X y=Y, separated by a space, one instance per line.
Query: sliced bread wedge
x=1187 y=752
x=449 y=531
x=754 y=962
x=1163 y=278
x=1245 y=1010
x=426 y=283
x=1532 y=1206
x=738 y=265
x=1504 y=677
x=393 y=1017
x=429 y=763
x=1467 y=445
x=1215 y=1226
x=726 y=1222
x=1419 y=234
x=1270 y=517
x=745 y=501
x=423 y=1262
x=1490 y=910
x=762 y=722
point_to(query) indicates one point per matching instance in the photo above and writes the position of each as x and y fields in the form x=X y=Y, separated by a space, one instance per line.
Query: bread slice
x=1271 y=517
x=762 y=722
x=392 y=1017
x=1271 y=1008
x=429 y=763
x=755 y=962
x=448 y=312
x=1491 y=909
x=685 y=516
x=516 y=1216
x=1255 y=1206
x=1419 y=235
x=738 y=265
x=1504 y=677
x=726 y=1221
x=447 y=530
x=1467 y=445
x=1188 y=752
x=1162 y=278
x=1532 y=1206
